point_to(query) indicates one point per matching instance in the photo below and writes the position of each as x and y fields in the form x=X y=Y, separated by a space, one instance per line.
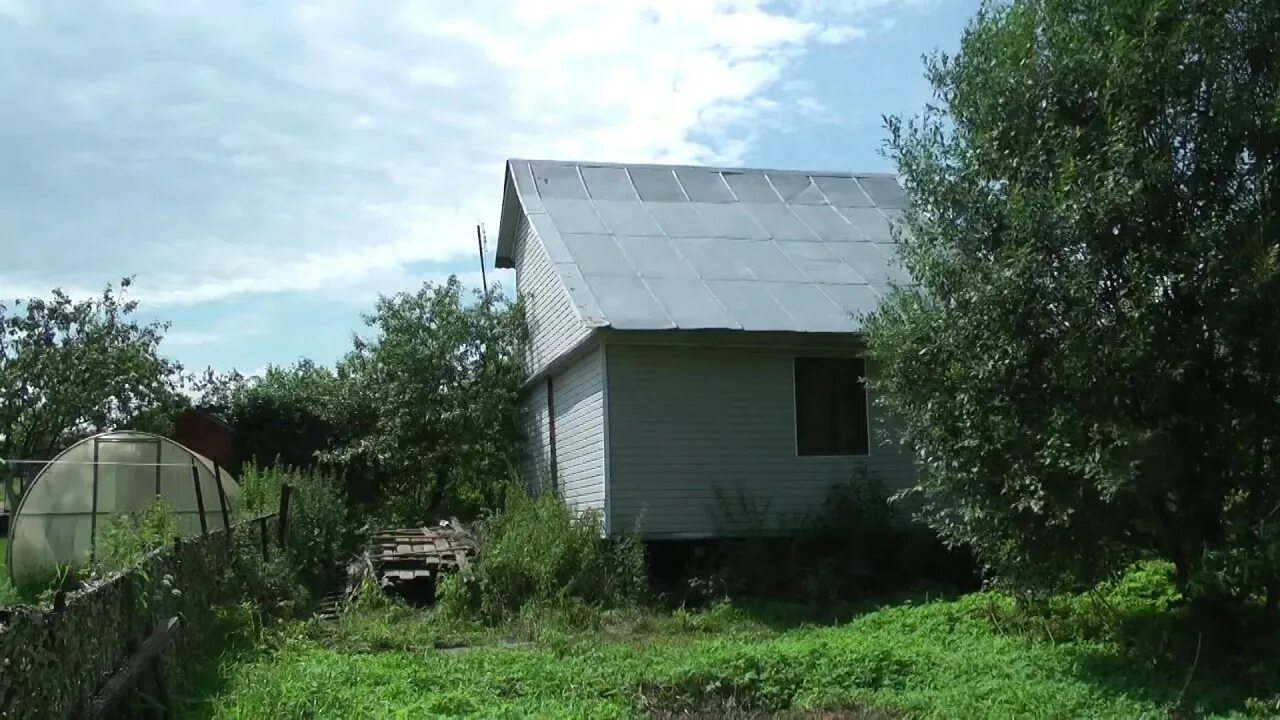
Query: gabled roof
x=660 y=247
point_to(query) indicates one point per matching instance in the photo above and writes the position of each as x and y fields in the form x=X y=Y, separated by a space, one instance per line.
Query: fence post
x=195 y=480
x=93 y=513
x=283 y=518
x=222 y=499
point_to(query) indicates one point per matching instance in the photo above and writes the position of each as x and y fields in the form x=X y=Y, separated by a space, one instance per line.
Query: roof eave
x=504 y=255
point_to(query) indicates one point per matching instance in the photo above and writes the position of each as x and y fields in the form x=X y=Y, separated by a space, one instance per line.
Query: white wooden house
x=693 y=350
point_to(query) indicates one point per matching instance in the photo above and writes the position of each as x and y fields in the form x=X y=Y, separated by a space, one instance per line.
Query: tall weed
x=538 y=553
x=128 y=537
x=321 y=524
x=854 y=545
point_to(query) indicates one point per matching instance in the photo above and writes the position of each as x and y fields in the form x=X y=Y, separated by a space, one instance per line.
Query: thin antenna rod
x=480 y=244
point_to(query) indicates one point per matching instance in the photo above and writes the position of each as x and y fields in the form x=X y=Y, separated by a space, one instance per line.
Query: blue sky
x=267 y=173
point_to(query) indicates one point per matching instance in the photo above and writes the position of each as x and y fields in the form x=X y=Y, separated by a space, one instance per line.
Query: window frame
x=795 y=406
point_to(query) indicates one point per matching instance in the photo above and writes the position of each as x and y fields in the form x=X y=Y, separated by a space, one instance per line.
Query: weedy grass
x=539 y=557
x=8 y=593
x=978 y=656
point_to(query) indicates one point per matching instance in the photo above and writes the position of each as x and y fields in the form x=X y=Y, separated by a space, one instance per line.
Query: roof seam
x=785 y=206
x=774 y=300
x=833 y=300
x=703 y=281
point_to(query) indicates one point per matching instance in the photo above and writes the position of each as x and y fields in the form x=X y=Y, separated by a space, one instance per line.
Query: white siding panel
x=702 y=443
x=554 y=325
x=578 y=394
x=535 y=467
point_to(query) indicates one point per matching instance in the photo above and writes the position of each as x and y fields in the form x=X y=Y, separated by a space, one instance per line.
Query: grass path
x=937 y=660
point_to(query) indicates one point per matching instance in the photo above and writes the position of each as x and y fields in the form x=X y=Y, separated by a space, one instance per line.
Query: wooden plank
x=128 y=675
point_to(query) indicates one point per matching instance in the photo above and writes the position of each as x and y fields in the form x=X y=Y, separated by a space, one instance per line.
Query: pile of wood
x=407 y=561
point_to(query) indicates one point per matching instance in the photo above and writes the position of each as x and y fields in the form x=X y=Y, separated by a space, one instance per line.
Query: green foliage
x=382 y=625
x=421 y=418
x=443 y=375
x=69 y=369
x=52 y=659
x=321 y=524
x=929 y=660
x=853 y=546
x=127 y=537
x=1087 y=363
x=540 y=555
x=286 y=416
x=275 y=587
x=8 y=593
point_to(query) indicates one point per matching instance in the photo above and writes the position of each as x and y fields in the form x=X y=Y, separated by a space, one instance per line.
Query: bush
x=321 y=525
x=538 y=553
x=123 y=541
x=855 y=545
x=1083 y=391
x=129 y=536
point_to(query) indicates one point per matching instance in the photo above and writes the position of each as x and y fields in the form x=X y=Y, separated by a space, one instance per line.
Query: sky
x=264 y=171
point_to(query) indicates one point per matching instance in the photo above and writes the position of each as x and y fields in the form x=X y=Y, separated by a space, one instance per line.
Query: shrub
x=275 y=588
x=1081 y=389
x=855 y=545
x=126 y=538
x=538 y=553
x=1140 y=605
x=321 y=525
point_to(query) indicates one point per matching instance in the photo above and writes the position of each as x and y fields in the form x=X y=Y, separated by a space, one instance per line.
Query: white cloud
x=339 y=147
x=232 y=327
x=838 y=34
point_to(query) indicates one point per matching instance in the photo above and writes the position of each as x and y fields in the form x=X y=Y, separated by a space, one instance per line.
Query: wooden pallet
x=396 y=557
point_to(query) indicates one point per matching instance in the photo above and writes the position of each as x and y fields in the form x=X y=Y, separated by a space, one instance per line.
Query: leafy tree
x=1089 y=362
x=434 y=399
x=70 y=369
x=419 y=419
x=217 y=392
x=288 y=415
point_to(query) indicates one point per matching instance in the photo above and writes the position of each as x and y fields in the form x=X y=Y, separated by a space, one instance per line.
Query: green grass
x=941 y=659
x=8 y=594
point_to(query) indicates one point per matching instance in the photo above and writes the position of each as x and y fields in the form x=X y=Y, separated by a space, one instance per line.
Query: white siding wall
x=554 y=325
x=536 y=463
x=689 y=423
x=578 y=395
x=579 y=406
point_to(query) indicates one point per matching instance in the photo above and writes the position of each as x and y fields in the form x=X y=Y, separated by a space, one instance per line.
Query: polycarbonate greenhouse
x=66 y=507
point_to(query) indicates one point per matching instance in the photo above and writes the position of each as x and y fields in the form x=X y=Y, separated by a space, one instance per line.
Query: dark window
x=831 y=406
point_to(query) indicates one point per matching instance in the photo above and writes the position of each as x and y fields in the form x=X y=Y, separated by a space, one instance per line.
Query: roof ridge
x=708 y=168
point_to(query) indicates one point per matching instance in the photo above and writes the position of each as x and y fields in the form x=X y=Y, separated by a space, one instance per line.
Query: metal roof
x=660 y=247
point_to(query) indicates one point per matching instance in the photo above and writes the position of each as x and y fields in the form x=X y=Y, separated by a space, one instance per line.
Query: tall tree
x=440 y=377
x=288 y=415
x=1089 y=361
x=69 y=369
